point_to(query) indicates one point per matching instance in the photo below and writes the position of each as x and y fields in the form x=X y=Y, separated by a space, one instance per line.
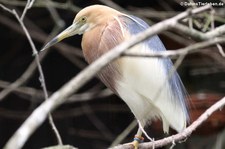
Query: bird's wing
x=149 y=77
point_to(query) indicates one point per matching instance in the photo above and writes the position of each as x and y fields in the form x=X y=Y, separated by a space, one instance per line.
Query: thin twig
x=28 y=6
x=55 y=15
x=66 y=50
x=5 y=8
x=40 y=3
x=38 y=95
x=220 y=50
x=37 y=59
x=124 y=134
x=104 y=130
x=42 y=78
x=197 y=47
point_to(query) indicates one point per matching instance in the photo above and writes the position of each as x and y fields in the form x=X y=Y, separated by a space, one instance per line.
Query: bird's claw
x=137 y=141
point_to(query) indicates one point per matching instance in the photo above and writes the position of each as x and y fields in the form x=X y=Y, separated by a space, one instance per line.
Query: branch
x=28 y=6
x=125 y=133
x=60 y=96
x=70 y=113
x=66 y=50
x=60 y=147
x=183 y=135
x=67 y=5
x=38 y=95
x=37 y=60
x=199 y=35
x=198 y=47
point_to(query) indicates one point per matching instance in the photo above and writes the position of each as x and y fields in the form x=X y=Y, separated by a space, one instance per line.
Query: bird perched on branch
x=149 y=86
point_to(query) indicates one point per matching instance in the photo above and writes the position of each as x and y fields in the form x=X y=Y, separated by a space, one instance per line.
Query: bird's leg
x=138 y=138
x=143 y=131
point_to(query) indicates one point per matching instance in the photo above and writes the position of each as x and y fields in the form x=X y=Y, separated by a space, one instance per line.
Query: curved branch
x=41 y=113
x=180 y=136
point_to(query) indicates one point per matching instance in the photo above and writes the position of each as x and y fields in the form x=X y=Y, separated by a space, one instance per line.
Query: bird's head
x=85 y=20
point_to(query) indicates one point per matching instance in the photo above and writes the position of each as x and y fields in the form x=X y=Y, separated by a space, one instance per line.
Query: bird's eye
x=83 y=19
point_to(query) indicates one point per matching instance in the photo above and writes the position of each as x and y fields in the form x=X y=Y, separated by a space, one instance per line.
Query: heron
x=144 y=84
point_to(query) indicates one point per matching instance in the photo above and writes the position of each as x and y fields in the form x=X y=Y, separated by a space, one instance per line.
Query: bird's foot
x=137 y=141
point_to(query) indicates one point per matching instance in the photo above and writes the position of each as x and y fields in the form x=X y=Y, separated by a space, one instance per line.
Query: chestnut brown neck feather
x=106 y=37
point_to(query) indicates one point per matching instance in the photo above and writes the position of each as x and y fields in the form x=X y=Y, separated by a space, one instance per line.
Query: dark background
x=96 y=123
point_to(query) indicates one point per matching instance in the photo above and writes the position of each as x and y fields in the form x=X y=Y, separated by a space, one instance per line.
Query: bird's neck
x=90 y=43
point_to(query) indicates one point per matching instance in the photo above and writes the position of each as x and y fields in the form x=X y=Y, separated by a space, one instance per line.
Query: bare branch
x=105 y=131
x=38 y=95
x=60 y=147
x=67 y=5
x=40 y=114
x=124 y=134
x=65 y=50
x=37 y=59
x=5 y=8
x=70 y=113
x=198 y=47
x=26 y=8
x=220 y=49
x=183 y=135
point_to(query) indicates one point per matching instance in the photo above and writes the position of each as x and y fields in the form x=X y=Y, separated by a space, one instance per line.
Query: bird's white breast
x=144 y=88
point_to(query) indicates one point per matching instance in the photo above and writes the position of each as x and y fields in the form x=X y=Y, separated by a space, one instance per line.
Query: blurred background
x=94 y=117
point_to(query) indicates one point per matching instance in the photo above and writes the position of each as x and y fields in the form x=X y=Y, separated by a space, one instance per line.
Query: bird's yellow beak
x=70 y=31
